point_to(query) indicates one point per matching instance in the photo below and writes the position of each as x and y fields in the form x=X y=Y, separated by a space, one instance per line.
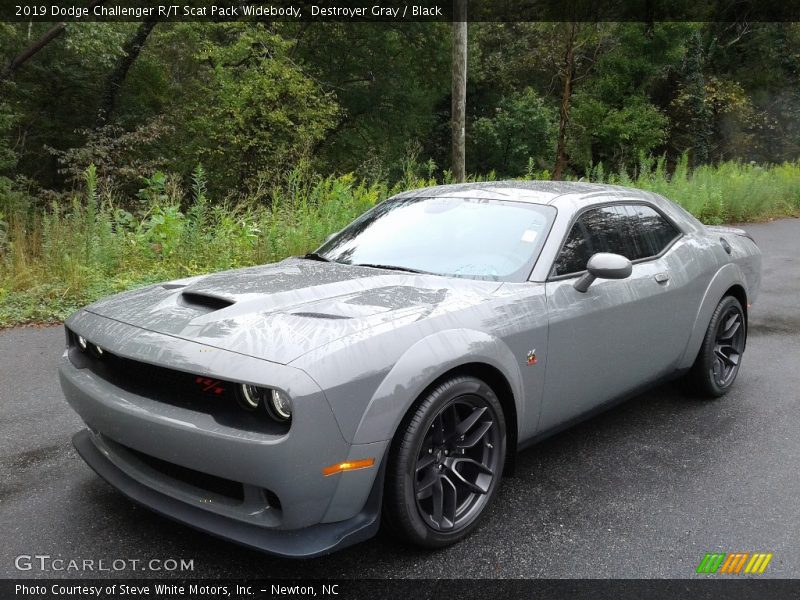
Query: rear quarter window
x=653 y=233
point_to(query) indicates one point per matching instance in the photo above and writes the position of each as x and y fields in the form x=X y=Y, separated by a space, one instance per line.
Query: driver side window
x=575 y=253
x=596 y=230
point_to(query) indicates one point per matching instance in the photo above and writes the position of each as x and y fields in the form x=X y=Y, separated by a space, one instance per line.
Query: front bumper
x=302 y=543
x=285 y=505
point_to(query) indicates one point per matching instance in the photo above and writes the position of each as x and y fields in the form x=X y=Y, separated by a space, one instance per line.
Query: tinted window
x=576 y=252
x=462 y=237
x=610 y=230
x=597 y=230
x=653 y=232
x=635 y=231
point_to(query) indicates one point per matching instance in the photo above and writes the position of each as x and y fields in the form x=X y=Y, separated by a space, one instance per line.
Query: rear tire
x=720 y=356
x=445 y=463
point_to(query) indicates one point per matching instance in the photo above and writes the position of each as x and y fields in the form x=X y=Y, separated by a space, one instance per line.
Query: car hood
x=281 y=311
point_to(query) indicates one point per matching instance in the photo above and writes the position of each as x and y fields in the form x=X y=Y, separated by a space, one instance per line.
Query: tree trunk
x=51 y=34
x=131 y=52
x=459 y=92
x=29 y=52
x=567 y=78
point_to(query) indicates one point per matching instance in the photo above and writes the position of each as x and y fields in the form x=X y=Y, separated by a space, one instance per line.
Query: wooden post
x=459 y=93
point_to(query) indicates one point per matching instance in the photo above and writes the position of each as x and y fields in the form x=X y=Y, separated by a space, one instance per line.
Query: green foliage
x=8 y=157
x=392 y=83
x=615 y=135
x=251 y=101
x=301 y=125
x=258 y=105
x=732 y=192
x=119 y=155
x=521 y=130
x=53 y=262
x=54 y=96
x=97 y=46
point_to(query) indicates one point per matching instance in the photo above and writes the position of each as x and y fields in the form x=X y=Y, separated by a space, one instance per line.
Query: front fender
x=370 y=406
x=729 y=275
x=423 y=363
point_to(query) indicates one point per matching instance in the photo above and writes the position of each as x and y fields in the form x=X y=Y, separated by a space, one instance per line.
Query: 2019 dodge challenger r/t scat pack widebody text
x=393 y=373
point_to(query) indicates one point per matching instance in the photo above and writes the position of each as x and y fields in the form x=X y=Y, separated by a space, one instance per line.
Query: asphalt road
x=644 y=490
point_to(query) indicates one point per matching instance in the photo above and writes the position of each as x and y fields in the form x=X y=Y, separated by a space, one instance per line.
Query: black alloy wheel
x=728 y=346
x=457 y=463
x=446 y=463
x=720 y=356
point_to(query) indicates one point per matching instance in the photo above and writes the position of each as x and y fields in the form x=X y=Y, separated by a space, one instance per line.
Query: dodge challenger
x=392 y=374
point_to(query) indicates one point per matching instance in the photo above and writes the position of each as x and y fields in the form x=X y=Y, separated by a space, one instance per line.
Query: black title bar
x=400 y=11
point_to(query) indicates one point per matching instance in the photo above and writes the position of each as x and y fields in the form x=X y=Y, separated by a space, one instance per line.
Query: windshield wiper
x=392 y=268
x=315 y=256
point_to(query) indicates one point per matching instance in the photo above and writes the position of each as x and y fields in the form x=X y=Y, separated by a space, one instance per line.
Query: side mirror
x=604 y=265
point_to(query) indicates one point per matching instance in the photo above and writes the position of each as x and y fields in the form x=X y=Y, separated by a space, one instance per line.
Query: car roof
x=537 y=192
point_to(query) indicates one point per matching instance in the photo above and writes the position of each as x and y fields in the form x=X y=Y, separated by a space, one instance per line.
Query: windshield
x=459 y=237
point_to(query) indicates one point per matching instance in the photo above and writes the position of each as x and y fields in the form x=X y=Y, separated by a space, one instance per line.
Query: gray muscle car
x=394 y=372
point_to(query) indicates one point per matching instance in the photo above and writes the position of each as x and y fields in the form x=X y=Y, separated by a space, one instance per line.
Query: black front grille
x=203 y=481
x=214 y=397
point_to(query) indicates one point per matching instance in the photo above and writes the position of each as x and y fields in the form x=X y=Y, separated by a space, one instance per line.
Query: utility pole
x=459 y=93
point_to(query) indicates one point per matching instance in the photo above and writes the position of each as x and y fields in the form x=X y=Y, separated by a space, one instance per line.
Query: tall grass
x=731 y=192
x=56 y=260
x=59 y=259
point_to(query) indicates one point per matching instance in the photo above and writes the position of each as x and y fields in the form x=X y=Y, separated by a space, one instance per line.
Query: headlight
x=277 y=404
x=280 y=406
x=85 y=345
x=251 y=396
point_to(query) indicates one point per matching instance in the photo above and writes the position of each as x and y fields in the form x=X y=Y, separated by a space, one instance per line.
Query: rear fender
x=729 y=275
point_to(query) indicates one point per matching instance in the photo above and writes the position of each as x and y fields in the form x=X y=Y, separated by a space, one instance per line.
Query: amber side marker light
x=349 y=465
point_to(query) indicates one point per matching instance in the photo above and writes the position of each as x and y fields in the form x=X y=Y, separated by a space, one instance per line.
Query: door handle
x=661 y=277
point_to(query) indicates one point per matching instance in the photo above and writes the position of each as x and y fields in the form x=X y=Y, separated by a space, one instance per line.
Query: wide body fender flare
x=425 y=362
x=725 y=278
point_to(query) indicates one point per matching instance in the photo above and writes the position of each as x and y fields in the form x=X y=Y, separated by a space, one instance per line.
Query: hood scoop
x=204 y=301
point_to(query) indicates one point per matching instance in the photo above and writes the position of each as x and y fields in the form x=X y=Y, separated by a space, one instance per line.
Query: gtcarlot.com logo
x=45 y=562
x=735 y=563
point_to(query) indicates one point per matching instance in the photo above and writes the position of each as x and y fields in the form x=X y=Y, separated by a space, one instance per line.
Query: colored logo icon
x=735 y=563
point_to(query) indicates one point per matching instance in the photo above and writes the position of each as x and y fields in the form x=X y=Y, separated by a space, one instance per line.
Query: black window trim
x=585 y=209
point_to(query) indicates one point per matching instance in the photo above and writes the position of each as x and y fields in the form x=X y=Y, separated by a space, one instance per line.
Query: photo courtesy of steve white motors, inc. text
x=169 y=589
x=211 y=10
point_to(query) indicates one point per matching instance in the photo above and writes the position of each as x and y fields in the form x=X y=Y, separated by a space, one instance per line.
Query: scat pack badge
x=532 y=357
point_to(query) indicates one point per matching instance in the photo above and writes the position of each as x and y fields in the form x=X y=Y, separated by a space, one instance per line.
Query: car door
x=620 y=334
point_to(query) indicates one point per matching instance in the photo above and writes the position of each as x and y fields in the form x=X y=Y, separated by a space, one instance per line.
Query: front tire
x=720 y=356
x=445 y=463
